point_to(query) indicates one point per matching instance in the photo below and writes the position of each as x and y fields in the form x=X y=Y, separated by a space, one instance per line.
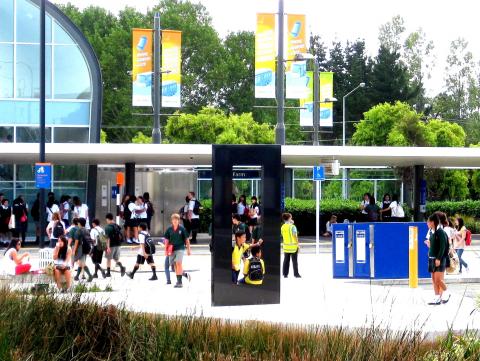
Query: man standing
x=193 y=216
x=290 y=245
x=114 y=241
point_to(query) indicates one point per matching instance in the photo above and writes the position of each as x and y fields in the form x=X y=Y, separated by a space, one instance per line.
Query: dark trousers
x=235 y=276
x=286 y=263
x=194 y=227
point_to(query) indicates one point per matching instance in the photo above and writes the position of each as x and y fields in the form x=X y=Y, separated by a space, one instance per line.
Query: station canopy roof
x=201 y=155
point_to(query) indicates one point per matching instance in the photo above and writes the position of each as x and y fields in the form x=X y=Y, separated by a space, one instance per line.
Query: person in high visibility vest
x=290 y=245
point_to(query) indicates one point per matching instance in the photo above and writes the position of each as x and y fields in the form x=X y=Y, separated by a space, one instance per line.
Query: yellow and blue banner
x=326 y=91
x=171 y=67
x=142 y=76
x=306 y=114
x=296 y=71
x=265 y=54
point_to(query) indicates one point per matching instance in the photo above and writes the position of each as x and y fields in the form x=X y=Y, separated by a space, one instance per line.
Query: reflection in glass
x=28 y=71
x=70 y=172
x=32 y=135
x=71 y=135
x=26 y=172
x=71 y=84
x=60 y=35
x=6 y=20
x=6 y=70
x=28 y=23
x=6 y=172
x=6 y=134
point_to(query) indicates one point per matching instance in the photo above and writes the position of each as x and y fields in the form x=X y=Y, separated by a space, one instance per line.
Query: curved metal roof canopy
x=201 y=154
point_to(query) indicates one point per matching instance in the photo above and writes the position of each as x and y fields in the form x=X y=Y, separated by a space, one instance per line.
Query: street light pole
x=280 y=88
x=157 y=81
x=316 y=102
x=42 y=120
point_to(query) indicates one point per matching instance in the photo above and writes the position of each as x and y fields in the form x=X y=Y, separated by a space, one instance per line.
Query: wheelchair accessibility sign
x=43 y=175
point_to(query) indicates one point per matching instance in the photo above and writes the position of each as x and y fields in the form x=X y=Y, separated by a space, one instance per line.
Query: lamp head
x=362 y=85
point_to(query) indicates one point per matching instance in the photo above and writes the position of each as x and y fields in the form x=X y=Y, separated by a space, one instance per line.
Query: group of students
x=13 y=218
x=446 y=240
x=390 y=210
x=134 y=211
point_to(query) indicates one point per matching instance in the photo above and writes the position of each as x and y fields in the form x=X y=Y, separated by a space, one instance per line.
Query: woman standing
x=20 y=212
x=5 y=214
x=80 y=211
x=437 y=259
x=55 y=229
x=62 y=258
x=386 y=205
x=65 y=209
x=242 y=208
x=254 y=214
x=459 y=242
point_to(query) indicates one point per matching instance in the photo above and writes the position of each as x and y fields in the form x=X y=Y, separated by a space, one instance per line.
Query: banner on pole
x=326 y=91
x=295 y=71
x=306 y=115
x=171 y=68
x=142 y=76
x=265 y=54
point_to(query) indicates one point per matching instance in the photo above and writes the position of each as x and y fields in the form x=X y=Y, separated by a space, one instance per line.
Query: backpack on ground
x=196 y=208
x=255 y=272
x=101 y=240
x=149 y=244
x=468 y=238
x=58 y=230
x=87 y=242
x=117 y=234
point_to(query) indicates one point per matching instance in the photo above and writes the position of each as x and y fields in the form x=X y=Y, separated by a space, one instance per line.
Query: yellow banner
x=265 y=54
x=295 y=71
x=171 y=68
x=326 y=91
x=142 y=46
x=306 y=115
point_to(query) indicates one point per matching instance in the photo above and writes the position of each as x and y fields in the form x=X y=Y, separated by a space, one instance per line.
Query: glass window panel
x=72 y=189
x=70 y=135
x=6 y=134
x=32 y=135
x=6 y=20
x=72 y=76
x=28 y=71
x=70 y=172
x=26 y=172
x=304 y=189
x=28 y=23
x=6 y=172
x=6 y=188
x=6 y=71
x=60 y=35
x=61 y=113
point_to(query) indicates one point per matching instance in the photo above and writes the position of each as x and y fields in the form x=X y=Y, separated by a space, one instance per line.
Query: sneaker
x=187 y=276
x=104 y=274
x=136 y=241
x=108 y=274
x=129 y=241
x=169 y=282
x=435 y=302
x=178 y=285
x=95 y=276
x=445 y=300
x=122 y=271
x=130 y=274
x=76 y=278
x=153 y=278
x=298 y=276
x=90 y=279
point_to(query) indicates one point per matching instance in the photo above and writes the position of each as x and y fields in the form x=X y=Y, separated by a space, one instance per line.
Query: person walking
x=184 y=214
x=398 y=214
x=193 y=216
x=114 y=242
x=437 y=259
x=290 y=245
x=82 y=248
x=55 y=229
x=176 y=237
x=97 y=235
x=459 y=242
x=143 y=256
x=239 y=253
x=242 y=208
x=62 y=255
x=20 y=212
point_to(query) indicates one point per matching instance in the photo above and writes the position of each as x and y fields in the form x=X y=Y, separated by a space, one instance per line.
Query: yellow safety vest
x=290 y=243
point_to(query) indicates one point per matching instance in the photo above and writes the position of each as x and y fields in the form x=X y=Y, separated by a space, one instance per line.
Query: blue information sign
x=114 y=192
x=319 y=173
x=43 y=175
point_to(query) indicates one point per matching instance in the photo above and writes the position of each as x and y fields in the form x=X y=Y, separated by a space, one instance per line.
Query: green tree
x=216 y=127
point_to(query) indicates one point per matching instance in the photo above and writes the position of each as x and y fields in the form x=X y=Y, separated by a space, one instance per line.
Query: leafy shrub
x=451 y=208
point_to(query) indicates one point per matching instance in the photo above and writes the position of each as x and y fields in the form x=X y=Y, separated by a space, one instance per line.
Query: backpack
x=255 y=272
x=149 y=244
x=150 y=209
x=87 y=242
x=58 y=230
x=127 y=213
x=117 y=234
x=101 y=240
x=196 y=208
x=468 y=238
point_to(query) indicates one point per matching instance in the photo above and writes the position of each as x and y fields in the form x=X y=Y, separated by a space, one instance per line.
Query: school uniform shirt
x=246 y=267
x=65 y=209
x=177 y=237
x=450 y=232
x=51 y=225
x=240 y=209
x=438 y=244
x=82 y=212
x=329 y=227
x=141 y=241
x=95 y=233
x=255 y=212
x=50 y=211
x=364 y=204
x=143 y=214
x=397 y=210
x=191 y=206
x=237 y=254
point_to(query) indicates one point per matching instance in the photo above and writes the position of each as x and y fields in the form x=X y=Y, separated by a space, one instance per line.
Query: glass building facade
x=73 y=94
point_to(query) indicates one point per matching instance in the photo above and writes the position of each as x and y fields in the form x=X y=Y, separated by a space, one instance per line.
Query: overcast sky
x=443 y=21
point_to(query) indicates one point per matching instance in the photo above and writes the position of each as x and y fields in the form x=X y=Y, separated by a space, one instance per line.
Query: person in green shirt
x=176 y=237
x=437 y=258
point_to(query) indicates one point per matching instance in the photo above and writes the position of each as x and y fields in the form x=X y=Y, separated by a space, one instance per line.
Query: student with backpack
x=254 y=268
x=194 y=207
x=239 y=252
x=55 y=229
x=114 y=242
x=99 y=238
x=145 y=252
x=82 y=248
x=176 y=240
x=150 y=209
x=459 y=242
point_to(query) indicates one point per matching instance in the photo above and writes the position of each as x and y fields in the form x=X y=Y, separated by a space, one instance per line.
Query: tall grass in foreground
x=50 y=328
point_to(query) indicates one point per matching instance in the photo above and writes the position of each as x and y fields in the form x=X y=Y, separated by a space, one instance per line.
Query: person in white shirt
x=65 y=209
x=12 y=263
x=398 y=214
x=365 y=202
x=138 y=214
x=51 y=207
x=55 y=229
x=81 y=211
x=193 y=216
x=142 y=255
x=253 y=214
x=96 y=235
x=328 y=231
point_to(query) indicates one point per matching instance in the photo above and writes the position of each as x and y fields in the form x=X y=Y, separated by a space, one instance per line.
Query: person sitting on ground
x=238 y=254
x=328 y=231
x=62 y=255
x=13 y=263
x=254 y=268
